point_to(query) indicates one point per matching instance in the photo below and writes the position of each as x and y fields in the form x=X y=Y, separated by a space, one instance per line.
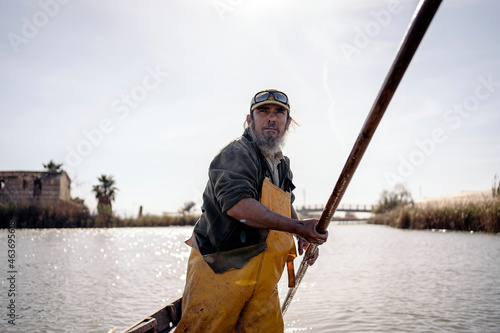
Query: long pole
x=421 y=20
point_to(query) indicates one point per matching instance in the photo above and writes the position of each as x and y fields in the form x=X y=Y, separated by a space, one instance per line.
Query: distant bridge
x=307 y=210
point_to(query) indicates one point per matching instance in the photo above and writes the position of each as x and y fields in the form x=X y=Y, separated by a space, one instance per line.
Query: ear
x=248 y=118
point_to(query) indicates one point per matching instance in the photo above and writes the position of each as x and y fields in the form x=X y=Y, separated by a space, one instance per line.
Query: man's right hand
x=306 y=229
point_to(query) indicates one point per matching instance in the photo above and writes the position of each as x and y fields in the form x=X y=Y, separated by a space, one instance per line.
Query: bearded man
x=244 y=237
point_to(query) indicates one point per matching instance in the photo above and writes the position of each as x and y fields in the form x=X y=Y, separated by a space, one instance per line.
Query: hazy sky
x=149 y=91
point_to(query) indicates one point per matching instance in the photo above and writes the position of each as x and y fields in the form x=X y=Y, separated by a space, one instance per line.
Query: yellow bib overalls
x=240 y=300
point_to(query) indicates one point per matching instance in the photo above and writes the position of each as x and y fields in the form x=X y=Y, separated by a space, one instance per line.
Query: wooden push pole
x=421 y=20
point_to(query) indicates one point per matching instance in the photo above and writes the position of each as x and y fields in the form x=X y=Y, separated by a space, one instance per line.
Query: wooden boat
x=162 y=321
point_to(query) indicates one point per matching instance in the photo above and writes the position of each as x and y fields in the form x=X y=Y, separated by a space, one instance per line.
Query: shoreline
x=482 y=216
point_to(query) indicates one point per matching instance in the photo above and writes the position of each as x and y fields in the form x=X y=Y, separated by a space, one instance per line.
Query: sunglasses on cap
x=266 y=94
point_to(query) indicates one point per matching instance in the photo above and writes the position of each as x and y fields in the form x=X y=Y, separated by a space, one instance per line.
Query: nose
x=272 y=117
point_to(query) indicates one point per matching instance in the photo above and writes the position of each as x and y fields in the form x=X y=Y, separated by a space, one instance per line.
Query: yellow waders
x=240 y=300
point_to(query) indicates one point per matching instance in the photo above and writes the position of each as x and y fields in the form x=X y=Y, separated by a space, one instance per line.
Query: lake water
x=368 y=279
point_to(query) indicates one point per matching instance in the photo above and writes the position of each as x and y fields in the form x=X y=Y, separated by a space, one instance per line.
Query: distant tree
x=399 y=196
x=105 y=193
x=53 y=167
x=78 y=200
x=495 y=188
x=187 y=208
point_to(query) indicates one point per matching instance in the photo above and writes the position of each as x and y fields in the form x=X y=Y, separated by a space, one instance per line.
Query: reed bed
x=38 y=216
x=478 y=216
x=160 y=221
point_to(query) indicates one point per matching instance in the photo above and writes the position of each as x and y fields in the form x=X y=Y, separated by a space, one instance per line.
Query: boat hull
x=162 y=321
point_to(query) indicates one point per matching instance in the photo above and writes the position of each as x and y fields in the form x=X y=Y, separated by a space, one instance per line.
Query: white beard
x=269 y=145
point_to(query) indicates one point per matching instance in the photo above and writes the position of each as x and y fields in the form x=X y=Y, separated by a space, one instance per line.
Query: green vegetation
x=53 y=167
x=396 y=209
x=160 y=221
x=478 y=216
x=36 y=216
x=105 y=193
x=75 y=214
x=389 y=200
x=187 y=208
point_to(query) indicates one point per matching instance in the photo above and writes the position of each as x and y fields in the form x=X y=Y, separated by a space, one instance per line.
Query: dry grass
x=480 y=216
x=39 y=216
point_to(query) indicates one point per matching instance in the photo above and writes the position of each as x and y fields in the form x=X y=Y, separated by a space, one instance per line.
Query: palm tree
x=53 y=167
x=105 y=193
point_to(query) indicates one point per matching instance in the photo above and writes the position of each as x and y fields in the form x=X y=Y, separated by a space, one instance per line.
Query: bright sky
x=149 y=91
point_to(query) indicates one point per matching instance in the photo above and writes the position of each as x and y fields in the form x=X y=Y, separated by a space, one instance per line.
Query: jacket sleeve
x=234 y=174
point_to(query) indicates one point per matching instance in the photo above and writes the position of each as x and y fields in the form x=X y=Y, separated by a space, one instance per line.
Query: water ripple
x=367 y=279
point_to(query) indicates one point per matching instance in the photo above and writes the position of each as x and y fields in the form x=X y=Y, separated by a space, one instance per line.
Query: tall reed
x=480 y=216
x=39 y=216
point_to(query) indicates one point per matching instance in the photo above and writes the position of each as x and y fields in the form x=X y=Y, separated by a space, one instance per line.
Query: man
x=244 y=238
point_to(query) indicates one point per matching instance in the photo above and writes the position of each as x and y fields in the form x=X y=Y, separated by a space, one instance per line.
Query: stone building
x=33 y=187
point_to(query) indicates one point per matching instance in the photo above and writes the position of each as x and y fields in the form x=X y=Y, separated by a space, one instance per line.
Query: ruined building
x=32 y=187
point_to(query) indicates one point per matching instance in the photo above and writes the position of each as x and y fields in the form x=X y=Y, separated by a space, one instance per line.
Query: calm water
x=368 y=279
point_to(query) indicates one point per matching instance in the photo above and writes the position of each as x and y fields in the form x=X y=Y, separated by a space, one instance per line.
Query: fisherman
x=244 y=238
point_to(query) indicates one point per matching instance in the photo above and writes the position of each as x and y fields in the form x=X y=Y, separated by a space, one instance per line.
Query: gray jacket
x=236 y=172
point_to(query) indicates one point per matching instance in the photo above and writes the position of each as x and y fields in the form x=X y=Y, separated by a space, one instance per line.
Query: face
x=269 y=120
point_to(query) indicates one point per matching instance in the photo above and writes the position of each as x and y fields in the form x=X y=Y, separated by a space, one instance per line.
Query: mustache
x=271 y=125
